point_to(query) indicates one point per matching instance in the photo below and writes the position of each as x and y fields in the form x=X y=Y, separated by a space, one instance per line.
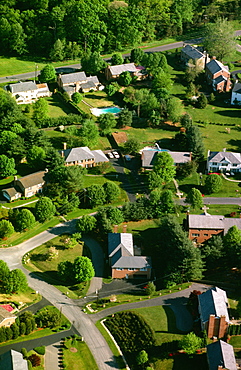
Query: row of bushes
x=234 y=329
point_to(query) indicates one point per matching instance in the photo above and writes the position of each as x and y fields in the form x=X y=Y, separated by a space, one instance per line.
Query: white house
x=236 y=94
x=78 y=82
x=223 y=161
x=28 y=92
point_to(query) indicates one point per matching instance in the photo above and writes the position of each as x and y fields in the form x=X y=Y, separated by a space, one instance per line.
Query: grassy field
x=76 y=355
x=98 y=99
x=27 y=298
x=47 y=269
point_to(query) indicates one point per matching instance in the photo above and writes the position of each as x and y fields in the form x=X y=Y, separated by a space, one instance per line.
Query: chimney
x=115 y=229
x=65 y=146
x=213 y=57
x=15 y=179
x=77 y=86
x=62 y=153
x=224 y=150
x=124 y=228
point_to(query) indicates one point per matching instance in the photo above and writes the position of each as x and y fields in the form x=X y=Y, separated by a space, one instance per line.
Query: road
x=212 y=200
x=175 y=45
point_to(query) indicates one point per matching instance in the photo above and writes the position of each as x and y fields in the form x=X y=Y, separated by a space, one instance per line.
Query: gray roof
x=237 y=87
x=212 y=222
x=118 y=69
x=215 y=66
x=88 y=85
x=70 y=89
x=213 y=302
x=23 y=86
x=149 y=155
x=99 y=156
x=225 y=156
x=192 y=52
x=13 y=360
x=73 y=77
x=117 y=241
x=11 y=191
x=219 y=79
x=33 y=179
x=221 y=353
x=137 y=262
x=93 y=79
x=4 y=314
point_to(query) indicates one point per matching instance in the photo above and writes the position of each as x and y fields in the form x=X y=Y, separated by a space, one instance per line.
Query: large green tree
x=24 y=219
x=89 y=133
x=86 y=224
x=112 y=191
x=106 y=123
x=164 y=166
x=7 y=166
x=213 y=183
x=195 y=143
x=40 y=111
x=6 y=229
x=232 y=246
x=194 y=198
x=190 y=343
x=44 y=209
x=48 y=74
x=16 y=282
x=83 y=269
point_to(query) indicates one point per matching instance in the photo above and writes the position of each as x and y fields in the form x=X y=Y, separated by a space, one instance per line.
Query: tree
x=161 y=79
x=4 y=271
x=166 y=202
x=195 y=143
x=106 y=123
x=125 y=78
x=135 y=97
x=213 y=251
x=57 y=53
x=96 y=195
x=114 y=215
x=164 y=166
x=202 y=101
x=232 y=243
x=112 y=88
x=150 y=288
x=65 y=271
x=92 y=63
x=83 y=269
x=190 y=343
x=137 y=55
x=7 y=166
x=142 y=358
x=174 y=109
x=47 y=74
x=40 y=111
x=154 y=180
x=16 y=282
x=132 y=146
x=112 y=191
x=6 y=229
x=24 y=219
x=36 y=156
x=125 y=118
x=89 y=133
x=76 y=97
x=194 y=198
x=213 y=183
x=44 y=209
x=86 y=224
x=223 y=30
x=116 y=59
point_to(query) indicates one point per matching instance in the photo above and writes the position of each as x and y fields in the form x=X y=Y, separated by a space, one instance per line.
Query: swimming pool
x=98 y=111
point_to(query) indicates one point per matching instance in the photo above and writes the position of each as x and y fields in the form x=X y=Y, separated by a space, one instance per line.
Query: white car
x=116 y=154
x=110 y=155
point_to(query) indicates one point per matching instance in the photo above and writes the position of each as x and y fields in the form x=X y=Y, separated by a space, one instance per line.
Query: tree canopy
x=164 y=166
x=44 y=209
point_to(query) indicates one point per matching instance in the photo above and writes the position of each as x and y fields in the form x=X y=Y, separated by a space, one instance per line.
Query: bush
x=40 y=350
x=35 y=360
x=150 y=288
x=24 y=352
x=29 y=365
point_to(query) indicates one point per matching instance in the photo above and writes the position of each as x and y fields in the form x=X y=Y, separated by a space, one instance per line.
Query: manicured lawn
x=98 y=99
x=41 y=366
x=27 y=298
x=81 y=359
x=57 y=107
x=47 y=269
x=235 y=341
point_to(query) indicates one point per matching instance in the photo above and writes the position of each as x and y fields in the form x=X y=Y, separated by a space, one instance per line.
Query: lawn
x=235 y=341
x=47 y=269
x=26 y=298
x=98 y=99
x=41 y=366
x=76 y=355
x=57 y=107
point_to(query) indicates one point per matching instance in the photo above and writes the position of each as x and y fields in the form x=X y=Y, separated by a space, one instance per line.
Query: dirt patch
x=73 y=349
x=119 y=137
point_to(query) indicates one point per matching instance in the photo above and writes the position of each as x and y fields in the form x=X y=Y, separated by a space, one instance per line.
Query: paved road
x=175 y=45
x=213 y=200
x=177 y=301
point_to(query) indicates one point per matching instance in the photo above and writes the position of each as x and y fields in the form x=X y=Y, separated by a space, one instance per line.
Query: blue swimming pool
x=98 y=111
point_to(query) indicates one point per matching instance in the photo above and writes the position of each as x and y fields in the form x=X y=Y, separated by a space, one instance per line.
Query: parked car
x=110 y=155
x=116 y=154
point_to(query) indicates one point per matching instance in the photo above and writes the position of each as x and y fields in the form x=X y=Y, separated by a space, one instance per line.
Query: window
x=30 y=188
x=143 y=269
x=195 y=234
x=205 y=234
x=235 y=165
x=214 y=163
x=119 y=269
x=131 y=269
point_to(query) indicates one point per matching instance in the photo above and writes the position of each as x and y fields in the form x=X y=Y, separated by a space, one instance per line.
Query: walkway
x=226 y=178
x=52 y=358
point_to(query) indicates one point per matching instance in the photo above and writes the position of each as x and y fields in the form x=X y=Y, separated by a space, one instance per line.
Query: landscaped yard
x=98 y=99
x=76 y=355
x=39 y=262
x=235 y=341
x=27 y=298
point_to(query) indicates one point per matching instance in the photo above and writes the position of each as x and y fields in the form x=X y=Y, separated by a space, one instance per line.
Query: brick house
x=6 y=318
x=113 y=72
x=202 y=227
x=123 y=262
x=78 y=82
x=223 y=161
x=28 y=92
x=26 y=186
x=13 y=360
x=218 y=76
x=148 y=156
x=220 y=355
x=213 y=310
x=83 y=156
x=189 y=52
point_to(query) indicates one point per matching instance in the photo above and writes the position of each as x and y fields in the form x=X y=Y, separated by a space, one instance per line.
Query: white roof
x=118 y=69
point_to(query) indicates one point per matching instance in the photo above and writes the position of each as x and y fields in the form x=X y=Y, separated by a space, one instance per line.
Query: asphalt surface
x=213 y=200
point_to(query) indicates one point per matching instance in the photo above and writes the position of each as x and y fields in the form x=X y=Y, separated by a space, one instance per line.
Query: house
x=236 y=94
x=123 y=262
x=6 y=318
x=28 y=92
x=148 y=156
x=189 y=52
x=13 y=360
x=83 y=156
x=213 y=310
x=202 y=227
x=220 y=355
x=218 y=76
x=26 y=186
x=78 y=82
x=113 y=72
x=223 y=161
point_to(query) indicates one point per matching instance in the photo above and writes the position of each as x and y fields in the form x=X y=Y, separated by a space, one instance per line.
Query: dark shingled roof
x=192 y=52
x=13 y=360
x=213 y=302
x=137 y=262
x=221 y=353
x=32 y=179
x=215 y=66
x=73 y=77
x=237 y=87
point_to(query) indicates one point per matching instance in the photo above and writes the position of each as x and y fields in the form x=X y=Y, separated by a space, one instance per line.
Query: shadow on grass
x=229 y=113
x=235 y=143
x=197 y=362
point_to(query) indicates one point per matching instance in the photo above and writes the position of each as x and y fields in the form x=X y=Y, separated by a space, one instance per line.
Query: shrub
x=40 y=350
x=35 y=360
x=24 y=352
x=150 y=288
x=29 y=365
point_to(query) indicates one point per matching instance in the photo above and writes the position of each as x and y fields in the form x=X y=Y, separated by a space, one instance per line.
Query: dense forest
x=68 y=28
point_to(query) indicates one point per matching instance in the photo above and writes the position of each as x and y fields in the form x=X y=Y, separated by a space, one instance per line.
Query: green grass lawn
x=235 y=341
x=27 y=298
x=41 y=366
x=47 y=269
x=57 y=107
x=80 y=358
x=98 y=99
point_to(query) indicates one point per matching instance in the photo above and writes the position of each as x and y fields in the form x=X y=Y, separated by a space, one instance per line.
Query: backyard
x=76 y=355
